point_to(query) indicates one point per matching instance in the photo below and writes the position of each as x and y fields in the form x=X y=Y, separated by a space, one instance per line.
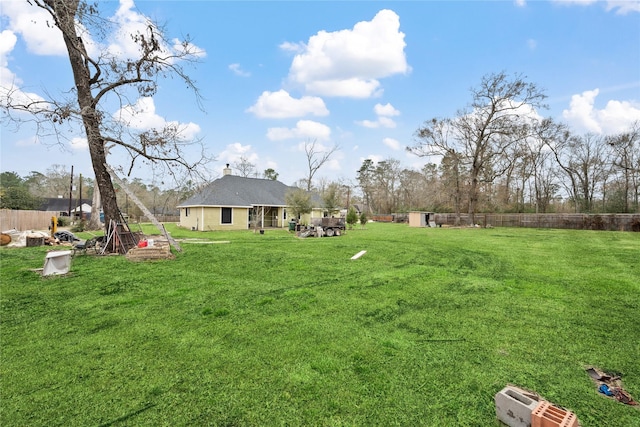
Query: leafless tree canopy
x=245 y=168
x=481 y=134
x=316 y=158
x=105 y=82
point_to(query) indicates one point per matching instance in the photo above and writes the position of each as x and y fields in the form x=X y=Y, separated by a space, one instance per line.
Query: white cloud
x=532 y=44
x=79 y=143
x=349 y=88
x=292 y=47
x=238 y=71
x=520 y=3
x=281 y=105
x=622 y=7
x=233 y=152
x=394 y=144
x=128 y=22
x=368 y=124
x=8 y=41
x=374 y=157
x=349 y=62
x=142 y=116
x=614 y=118
x=384 y=112
x=386 y=122
x=28 y=142
x=182 y=47
x=10 y=93
x=578 y=2
x=34 y=25
x=306 y=129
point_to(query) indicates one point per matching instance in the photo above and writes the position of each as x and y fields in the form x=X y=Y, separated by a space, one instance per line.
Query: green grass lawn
x=271 y=330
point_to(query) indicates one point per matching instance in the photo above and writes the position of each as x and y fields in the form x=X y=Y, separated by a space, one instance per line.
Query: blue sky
x=362 y=75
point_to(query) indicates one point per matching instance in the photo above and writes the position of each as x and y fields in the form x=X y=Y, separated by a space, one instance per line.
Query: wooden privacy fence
x=161 y=218
x=25 y=220
x=612 y=222
x=41 y=220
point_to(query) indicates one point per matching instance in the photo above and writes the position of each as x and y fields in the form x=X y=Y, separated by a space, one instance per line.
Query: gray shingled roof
x=61 y=205
x=238 y=191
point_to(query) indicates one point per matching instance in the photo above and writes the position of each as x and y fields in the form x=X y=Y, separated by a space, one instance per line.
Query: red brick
x=549 y=415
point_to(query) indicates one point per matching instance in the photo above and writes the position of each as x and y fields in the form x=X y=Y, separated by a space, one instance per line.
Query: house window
x=186 y=211
x=226 y=216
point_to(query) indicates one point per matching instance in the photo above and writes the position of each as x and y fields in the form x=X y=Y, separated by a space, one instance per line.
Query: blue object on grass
x=604 y=389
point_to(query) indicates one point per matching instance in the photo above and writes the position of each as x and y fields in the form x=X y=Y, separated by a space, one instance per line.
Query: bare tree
x=244 y=167
x=105 y=78
x=436 y=139
x=316 y=158
x=480 y=134
x=626 y=151
x=583 y=160
x=387 y=177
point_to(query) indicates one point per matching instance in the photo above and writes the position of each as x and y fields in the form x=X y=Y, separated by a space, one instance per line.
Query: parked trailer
x=333 y=226
x=328 y=227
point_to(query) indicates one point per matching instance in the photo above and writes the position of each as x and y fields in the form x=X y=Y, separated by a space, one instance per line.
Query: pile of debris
x=610 y=385
x=20 y=239
x=150 y=250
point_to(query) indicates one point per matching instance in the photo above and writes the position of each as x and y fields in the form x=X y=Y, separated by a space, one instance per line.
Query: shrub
x=363 y=219
x=79 y=226
x=352 y=217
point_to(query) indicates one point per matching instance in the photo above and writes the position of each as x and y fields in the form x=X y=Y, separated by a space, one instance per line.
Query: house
x=238 y=203
x=61 y=206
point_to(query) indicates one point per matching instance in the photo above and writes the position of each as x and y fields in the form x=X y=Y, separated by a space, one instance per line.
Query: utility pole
x=70 y=193
x=80 y=188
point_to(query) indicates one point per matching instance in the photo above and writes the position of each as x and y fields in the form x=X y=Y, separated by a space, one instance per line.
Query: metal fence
x=25 y=220
x=612 y=222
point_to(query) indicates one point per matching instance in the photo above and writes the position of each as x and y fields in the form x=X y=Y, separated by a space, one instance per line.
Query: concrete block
x=548 y=415
x=514 y=406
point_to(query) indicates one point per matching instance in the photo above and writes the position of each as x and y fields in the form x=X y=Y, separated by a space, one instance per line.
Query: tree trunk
x=65 y=11
x=473 y=200
x=94 y=222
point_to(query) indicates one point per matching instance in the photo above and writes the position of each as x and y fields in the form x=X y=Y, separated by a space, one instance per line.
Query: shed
x=422 y=219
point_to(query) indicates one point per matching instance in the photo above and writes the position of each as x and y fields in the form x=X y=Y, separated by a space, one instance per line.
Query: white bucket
x=150 y=242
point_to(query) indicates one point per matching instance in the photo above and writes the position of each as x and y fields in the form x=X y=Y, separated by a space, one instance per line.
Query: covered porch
x=267 y=217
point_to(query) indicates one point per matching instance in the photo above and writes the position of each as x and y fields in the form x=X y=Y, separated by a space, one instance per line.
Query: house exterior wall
x=207 y=218
x=306 y=219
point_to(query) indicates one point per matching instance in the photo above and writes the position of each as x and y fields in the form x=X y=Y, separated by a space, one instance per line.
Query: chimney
x=226 y=171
